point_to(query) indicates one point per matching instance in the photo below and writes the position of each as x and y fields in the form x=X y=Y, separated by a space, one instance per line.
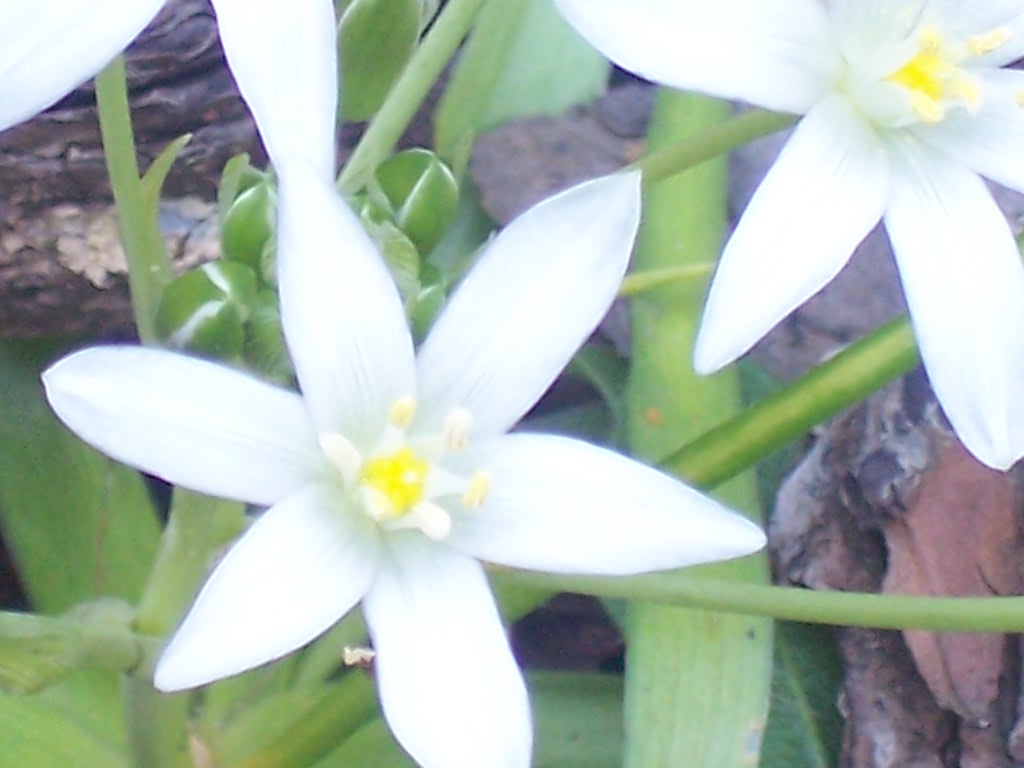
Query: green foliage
x=206 y=311
x=521 y=59
x=804 y=726
x=375 y=40
x=78 y=524
x=248 y=224
x=419 y=193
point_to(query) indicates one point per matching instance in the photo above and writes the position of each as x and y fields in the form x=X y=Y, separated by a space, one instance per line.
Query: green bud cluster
x=228 y=310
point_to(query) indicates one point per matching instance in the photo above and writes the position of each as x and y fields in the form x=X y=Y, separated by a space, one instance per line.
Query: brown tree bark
x=61 y=265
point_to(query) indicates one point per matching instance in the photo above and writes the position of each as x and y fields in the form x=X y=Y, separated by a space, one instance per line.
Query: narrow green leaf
x=78 y=525
x=152 y=181
x=521 y=59
x=804 y=726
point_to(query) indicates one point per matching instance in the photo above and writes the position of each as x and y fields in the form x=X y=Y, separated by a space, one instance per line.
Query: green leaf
x=375 y=40
x=152 y=180
x=579 y=720
x=78 y=524
x=74 y=724
x=804 y=726
x=521 y=59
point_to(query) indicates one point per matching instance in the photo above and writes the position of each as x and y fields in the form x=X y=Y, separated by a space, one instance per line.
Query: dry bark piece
x=958 y=537
x=888 y=500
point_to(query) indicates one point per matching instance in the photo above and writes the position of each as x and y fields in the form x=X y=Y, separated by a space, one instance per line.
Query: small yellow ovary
x=399 y=478
x=934 y=76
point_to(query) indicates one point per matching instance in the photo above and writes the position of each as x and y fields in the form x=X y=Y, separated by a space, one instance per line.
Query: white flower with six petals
x=905 y=103
x=391 y=475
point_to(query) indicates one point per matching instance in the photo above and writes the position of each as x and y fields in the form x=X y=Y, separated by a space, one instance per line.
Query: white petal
x=47 y=47
x=964 y=283
x=284 y=59
x=342 y=316
x=195 y=424
x=299 y=569
x=823 y=195
x=539 y=289
x=990 y=142
x=876 y=36
x=564 y=506
x=449 y=687
x=779 y=54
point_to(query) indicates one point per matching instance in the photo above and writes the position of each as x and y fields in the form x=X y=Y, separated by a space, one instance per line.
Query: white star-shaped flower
x=281 y=54
x=391 y=476
x=905 y=103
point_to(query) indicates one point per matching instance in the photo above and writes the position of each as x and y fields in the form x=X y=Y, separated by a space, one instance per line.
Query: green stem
x=196 y=528
x=342 y=710
x=424 y=68
x=148 y=267
x=847 y=378
x=848 y=609
x=673 y=159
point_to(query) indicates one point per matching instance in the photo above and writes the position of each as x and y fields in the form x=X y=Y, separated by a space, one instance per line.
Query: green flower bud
x=205 y=310
x=375 y=40
x=422 y=194
x=424 y=307
x=249 y=225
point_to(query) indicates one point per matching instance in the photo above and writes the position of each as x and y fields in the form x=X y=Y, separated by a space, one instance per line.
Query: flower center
x=398 y=477
x=934 y=78
x=397 y=484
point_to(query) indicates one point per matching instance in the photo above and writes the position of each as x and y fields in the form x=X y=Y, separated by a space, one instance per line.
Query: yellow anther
x=477 y=491
x=979 y=45
x=930 y=39
x=1018 y=97
x=927 y=109
x=357 y=656
x=402 y=412
x=455 y=431
x=968 y=92
x=394 y=484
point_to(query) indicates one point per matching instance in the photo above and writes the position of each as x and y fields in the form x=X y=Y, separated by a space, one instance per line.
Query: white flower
x=905 y=103
x=282 y=56
x=391 y=475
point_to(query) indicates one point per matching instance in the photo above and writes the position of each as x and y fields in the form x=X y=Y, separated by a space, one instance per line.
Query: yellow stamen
x=477 y=491
x=342 y=454
x=457 y=425
x=927 y=109
x=979 y=45
x=402 y=412
x=432 y=519
x=357 y=656
x=934 y=78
